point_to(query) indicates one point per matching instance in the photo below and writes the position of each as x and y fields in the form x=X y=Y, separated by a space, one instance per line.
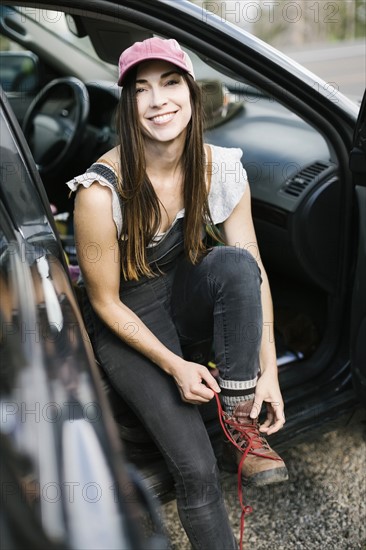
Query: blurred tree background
x=285 y=23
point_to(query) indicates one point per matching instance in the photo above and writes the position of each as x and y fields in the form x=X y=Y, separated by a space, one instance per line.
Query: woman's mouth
x=162 y=119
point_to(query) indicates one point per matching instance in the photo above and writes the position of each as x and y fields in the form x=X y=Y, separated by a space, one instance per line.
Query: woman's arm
x=239 y=231
x=99 y=260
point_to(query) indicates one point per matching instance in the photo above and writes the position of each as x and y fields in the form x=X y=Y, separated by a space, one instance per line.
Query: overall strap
x=105 y=171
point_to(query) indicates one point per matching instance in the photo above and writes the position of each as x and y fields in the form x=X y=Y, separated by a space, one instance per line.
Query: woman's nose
x=158 y=97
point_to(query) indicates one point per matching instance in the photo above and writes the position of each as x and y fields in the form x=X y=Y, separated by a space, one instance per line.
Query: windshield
x=62 y=25
x=48 y=34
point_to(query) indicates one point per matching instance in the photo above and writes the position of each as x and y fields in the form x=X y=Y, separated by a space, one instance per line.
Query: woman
x=155 y=286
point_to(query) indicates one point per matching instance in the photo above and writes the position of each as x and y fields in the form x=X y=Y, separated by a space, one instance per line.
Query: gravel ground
x=323 y=506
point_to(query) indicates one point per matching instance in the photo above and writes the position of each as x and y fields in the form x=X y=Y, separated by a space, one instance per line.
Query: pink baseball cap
x=153 y=48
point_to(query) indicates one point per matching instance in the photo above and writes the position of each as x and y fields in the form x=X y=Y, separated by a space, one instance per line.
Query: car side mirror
x=20 y=72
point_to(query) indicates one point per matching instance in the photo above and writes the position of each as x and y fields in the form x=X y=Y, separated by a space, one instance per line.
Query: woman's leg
x=176 y=427
x=220 y=299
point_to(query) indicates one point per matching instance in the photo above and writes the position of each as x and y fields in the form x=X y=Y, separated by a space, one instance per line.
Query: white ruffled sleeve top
x=228 y=183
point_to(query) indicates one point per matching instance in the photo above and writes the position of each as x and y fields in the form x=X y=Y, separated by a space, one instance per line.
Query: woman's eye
x=172 y=82
x=139 y=90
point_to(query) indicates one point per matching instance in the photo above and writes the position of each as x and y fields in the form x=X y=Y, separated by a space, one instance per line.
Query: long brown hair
x=141 y=217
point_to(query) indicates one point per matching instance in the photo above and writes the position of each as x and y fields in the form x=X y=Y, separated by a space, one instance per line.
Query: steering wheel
x=55 y=122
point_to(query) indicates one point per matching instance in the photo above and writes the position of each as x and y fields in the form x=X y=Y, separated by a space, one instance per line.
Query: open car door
x=358 y=312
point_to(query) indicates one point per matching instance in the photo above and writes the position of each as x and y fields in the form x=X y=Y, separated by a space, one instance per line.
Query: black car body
x=305 y=156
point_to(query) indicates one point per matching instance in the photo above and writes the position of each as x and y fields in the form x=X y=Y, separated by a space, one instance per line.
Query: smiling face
x=163 y=101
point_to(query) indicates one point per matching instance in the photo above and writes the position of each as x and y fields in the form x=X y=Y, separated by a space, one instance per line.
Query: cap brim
x=151 y=58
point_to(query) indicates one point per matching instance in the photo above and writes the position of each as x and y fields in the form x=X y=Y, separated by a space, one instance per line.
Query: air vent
x=297 y=184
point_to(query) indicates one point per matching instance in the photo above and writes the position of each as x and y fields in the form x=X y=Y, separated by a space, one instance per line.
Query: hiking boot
x=260 y=465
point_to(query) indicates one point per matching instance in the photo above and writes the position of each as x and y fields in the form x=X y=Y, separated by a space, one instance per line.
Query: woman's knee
x=231 y=264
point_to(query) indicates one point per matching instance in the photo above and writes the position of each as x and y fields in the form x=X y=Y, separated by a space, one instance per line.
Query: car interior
x=61 y=86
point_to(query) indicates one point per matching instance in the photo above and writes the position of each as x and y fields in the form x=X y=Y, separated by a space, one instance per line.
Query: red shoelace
x=251 y=439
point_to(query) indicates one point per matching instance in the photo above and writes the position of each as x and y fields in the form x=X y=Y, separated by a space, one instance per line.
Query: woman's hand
x=195 y=383
x=268 y=391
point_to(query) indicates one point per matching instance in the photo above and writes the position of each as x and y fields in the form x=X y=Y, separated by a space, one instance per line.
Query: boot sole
x=267 y=477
